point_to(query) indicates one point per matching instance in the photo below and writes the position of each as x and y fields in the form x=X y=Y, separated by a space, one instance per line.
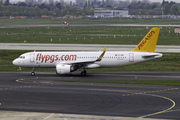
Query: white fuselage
x=110 y=59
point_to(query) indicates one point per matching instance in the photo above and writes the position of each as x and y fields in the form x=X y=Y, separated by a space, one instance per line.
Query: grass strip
x=172 y=83
x=119 y=35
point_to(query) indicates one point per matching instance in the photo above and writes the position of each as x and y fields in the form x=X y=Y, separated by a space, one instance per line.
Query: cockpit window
x=22 y=57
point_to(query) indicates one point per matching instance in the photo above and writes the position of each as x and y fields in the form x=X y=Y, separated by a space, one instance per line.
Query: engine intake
x=64 y=69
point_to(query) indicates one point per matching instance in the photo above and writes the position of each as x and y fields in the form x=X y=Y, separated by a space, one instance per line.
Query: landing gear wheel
x=33 y=73
x=83 y=73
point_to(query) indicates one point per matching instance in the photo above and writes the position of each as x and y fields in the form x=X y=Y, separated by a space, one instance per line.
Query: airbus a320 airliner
x=67 y=62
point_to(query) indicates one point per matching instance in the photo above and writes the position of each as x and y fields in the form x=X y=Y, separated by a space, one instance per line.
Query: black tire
x=83 y=73
x=33 y=73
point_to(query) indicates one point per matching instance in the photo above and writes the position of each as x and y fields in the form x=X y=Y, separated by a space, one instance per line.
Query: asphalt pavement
x=47 y=96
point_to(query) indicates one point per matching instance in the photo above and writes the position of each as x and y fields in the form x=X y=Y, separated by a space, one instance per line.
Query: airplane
x=64 y=22
x=68 y=62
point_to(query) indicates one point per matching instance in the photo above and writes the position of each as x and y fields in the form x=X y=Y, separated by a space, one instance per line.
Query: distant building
x=71 y=3
x=99 y=12
x=80 y=2
x=109 y=2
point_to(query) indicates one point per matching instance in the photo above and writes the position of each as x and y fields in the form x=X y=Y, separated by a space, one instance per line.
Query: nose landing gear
x=33 y=73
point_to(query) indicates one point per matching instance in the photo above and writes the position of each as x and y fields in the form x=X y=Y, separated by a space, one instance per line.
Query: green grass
x=169 y=62
x=172 y=83
x=85 y=35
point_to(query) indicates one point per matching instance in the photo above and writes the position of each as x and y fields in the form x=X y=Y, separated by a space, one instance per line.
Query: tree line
x=166 y=8
x=57 y=9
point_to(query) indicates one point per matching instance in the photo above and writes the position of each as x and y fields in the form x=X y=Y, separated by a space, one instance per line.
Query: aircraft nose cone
x=14 y=62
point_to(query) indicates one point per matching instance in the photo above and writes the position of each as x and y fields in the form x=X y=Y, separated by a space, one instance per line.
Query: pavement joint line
x=19 y=87
x=173 y=110
x=140 y=75
x=150 y=92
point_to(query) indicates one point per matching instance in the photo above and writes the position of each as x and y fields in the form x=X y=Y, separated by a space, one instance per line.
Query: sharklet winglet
x=102 y=55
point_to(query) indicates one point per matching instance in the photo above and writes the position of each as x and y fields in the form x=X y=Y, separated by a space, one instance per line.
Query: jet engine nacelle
x=63 y=69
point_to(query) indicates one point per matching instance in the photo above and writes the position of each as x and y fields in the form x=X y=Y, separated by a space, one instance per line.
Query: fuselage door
x=131 y=57
x=32 y=57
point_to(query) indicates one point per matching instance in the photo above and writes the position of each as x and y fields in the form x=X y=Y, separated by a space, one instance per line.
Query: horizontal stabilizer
x=156 y=55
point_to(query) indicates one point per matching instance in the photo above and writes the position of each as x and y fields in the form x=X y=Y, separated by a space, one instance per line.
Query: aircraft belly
x=47 y=65
x=112 y=63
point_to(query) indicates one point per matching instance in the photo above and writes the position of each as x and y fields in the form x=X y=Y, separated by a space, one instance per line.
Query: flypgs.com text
x=45 y=58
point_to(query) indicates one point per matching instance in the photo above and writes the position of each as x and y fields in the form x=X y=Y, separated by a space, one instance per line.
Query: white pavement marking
x=49 y=116
x=13 y=115
x=173 y=49
x=62 y=116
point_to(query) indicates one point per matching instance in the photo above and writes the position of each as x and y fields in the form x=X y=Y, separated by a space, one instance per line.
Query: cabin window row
x=103 y=57
x=77 y=57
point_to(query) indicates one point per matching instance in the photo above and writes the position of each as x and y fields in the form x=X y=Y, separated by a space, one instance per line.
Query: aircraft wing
x=85 y=62
x=78 y=62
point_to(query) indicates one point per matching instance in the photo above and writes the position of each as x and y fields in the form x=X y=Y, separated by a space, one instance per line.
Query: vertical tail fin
x=148 y=43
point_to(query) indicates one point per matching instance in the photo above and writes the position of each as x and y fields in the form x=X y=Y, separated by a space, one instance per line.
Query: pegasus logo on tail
x=148 y=43
x=148 y=36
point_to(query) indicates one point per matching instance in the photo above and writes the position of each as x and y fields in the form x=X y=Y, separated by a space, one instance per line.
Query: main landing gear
x=33 y=73
x=83 y=73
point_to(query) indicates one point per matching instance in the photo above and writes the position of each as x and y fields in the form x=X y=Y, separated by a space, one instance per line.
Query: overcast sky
x=177 y=1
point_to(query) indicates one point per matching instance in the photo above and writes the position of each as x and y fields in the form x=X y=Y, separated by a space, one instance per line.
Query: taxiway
x=47 y=96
